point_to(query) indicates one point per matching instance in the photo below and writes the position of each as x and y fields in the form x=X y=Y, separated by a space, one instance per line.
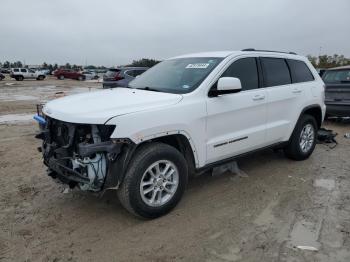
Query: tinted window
x=276 y=72
x=138 y=72
x=299 y=71
x=23 y=70
x=130 y=73
x=16 y=70
x=246 y=70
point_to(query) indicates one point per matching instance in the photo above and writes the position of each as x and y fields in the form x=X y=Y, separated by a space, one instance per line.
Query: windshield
x=336 y=76
x=178 y=76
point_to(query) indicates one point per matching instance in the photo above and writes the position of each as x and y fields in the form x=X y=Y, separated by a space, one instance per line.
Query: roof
x=224 y=54
x=340 y=67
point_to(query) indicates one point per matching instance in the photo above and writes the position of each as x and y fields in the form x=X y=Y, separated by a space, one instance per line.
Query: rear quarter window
x=299 y=71
x=275 y=71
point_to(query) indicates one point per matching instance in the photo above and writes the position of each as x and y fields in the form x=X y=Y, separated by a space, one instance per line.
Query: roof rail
x=252 y=49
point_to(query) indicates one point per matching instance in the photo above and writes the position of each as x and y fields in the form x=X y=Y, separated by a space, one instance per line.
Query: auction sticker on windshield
x=198 y=65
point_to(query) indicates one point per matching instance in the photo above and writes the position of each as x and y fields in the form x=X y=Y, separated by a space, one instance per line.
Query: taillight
x=118 y=77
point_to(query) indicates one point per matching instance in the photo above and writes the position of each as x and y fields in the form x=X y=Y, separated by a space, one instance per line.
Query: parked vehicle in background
x=5 y=71
x=24 y=73
x=2 y=76
x=89 y=75
x=68 y=73
x=321 y=71
x=120 y=77
x=337 y=95
x=186 y=114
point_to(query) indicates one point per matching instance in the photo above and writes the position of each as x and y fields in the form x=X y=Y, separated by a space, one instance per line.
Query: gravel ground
x=278 y=212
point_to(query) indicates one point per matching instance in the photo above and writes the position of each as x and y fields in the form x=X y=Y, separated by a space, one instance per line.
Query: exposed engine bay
x=78 y=154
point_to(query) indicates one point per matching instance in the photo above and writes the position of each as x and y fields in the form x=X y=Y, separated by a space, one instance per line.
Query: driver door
x=236 y=123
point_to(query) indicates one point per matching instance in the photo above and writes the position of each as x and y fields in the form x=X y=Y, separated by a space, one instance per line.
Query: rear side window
x=23 y=70
x=16 y=70
x=299 y=71
x=244 y=69
x=138 y=72
x=275 y=71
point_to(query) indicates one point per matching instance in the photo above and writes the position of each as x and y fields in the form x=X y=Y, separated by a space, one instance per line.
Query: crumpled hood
x=99 y=106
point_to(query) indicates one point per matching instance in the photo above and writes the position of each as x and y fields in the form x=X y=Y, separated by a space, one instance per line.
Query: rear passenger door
x=284 y=99
x=24 y=73
x=236 y=122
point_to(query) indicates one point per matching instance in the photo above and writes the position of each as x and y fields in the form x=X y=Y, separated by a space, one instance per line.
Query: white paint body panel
x=142 y=115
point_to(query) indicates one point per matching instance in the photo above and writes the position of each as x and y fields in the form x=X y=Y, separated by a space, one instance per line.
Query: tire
x=61 y=77
x=294 y=149
x=130 y=192
x=40 y=77
x=19 y=78
x=81 y=78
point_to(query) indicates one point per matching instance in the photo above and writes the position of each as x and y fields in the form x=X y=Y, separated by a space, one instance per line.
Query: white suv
x=24 y=73
x=185 y=115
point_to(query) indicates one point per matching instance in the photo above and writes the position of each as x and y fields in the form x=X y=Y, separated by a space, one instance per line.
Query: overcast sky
x=113 y=32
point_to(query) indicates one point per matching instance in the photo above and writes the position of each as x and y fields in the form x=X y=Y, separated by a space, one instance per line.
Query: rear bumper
x=341 y=110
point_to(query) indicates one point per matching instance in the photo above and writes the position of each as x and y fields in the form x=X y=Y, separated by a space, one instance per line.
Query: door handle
x=258 y=97
x=296 y=91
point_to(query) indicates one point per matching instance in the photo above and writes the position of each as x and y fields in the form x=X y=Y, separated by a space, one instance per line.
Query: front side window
x=337 y=76
x=178 y=76
x=244 y=69
x=16 y=70
x=299 y=71
x=275 y=71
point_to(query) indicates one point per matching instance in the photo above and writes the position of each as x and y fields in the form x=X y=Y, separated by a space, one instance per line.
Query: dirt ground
x=272 y=214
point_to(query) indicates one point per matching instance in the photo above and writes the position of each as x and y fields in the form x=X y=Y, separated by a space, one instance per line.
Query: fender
x=174 y=132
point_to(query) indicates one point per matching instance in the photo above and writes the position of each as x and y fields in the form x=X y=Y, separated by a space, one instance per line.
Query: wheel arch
x=315 y=111
x=179 y=140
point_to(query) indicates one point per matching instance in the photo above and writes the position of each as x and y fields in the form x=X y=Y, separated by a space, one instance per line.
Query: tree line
x=144 y=62
x=327 y=61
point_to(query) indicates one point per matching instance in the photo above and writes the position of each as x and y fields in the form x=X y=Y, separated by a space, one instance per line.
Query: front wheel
x=303 y=140
x=155 y=181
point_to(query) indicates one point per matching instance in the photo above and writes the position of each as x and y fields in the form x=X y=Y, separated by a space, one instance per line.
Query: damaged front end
x=83 y=155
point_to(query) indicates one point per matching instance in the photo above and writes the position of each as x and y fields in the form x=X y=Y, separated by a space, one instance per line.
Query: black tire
x=294 y=150
x=19 y=78
x=61 y=77
x=41 y=77
x=81 y=78
x=129 y=192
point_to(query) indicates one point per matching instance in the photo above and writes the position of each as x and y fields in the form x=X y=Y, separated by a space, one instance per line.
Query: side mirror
x=227 y=85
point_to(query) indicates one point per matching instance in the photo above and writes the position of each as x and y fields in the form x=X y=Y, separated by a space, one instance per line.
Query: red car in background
x=68 y=73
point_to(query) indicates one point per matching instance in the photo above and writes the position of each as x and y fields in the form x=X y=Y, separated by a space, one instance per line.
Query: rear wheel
x=155 y=181
x=19 y=78
x=40 y=77
x=61 y=77
x=303 y=140
x=81 y=78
